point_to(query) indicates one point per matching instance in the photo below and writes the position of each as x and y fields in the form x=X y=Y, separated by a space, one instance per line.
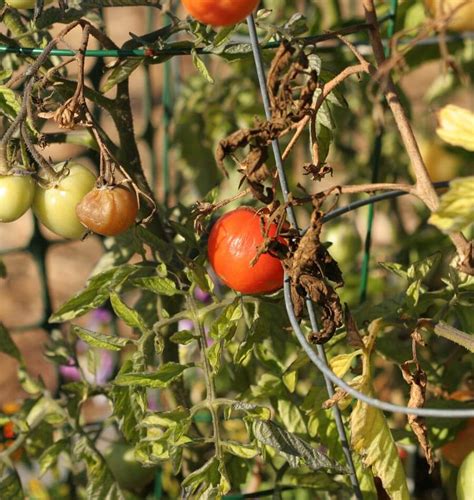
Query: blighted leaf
x=456 y=126
x=456 y=211
x=370 y=434
x=121 y=72
x=7 y=345
x=292 y=447
x=417 y=380
x=100 y=340
x=97 y=291
x=159 y=379
x=342 y=363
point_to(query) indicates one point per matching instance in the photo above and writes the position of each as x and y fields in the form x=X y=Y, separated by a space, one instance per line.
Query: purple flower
x=70 y=372
x=202 y=296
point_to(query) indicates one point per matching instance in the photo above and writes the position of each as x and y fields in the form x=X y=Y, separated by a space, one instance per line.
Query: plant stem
x=208 y=375
x=423 y=186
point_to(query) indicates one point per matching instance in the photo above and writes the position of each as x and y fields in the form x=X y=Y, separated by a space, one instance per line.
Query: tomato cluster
x=70 y=206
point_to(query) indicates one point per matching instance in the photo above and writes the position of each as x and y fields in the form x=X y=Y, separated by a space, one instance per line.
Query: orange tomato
x=108 y=210
x=457 y=450
x=233 y=244
x=220 y=12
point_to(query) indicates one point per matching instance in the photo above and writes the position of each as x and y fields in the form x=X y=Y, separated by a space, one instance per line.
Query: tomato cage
x=39 y=246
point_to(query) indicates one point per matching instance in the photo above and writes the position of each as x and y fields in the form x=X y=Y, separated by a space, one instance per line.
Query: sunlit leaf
x=456 y=211
x=159 y=379
x=100 y=340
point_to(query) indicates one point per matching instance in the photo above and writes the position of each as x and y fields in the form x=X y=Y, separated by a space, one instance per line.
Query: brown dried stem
x=423 y=186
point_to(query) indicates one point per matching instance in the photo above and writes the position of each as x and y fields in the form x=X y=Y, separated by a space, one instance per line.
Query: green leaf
x=213 y=354
x=50 y=456
x=130 y=316
x=291 y=416
x=456 y=211
x=121 y=72
x=207 y=474
x=100 y=340
x=97 y=291
x=156 y=380
x=129 y=404
x=155 y=284
x=183 y=337
x=167 y=418
x=240 y=450
x=201 y=67
x=10 y=486
x=7 y=346
x=101 y=484
x=10 y=103
x=224 y=327
x=292 y=447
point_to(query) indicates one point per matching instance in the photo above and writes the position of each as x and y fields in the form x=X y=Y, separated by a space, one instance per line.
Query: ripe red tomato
x=220 y=12
x=233 y=243
x=109 y=210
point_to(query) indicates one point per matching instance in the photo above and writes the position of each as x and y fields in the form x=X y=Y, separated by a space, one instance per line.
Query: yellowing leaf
x=370 y=433
x=341 y=364
x=456 y=211
x=456 y=126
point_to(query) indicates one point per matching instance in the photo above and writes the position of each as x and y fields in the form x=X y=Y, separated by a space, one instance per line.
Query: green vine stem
x=208 y=374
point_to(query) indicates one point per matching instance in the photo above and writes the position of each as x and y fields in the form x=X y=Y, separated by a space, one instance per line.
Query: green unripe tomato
x=465 y=483
x=55 y=206
x=24 y=4
x=129 y=473
x=345 y=239
x=16 y=196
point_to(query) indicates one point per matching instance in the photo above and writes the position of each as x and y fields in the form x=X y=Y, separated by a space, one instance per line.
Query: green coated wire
x=167 y=115
x=376 y=157
x=145 y=52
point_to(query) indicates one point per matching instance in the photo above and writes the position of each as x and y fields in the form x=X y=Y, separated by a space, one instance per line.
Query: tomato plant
x=220 y=12
x=24 y=4
x=16 y=196
x=108 y=210
x=233 y=244
x=55 y=204
x=171 y=383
